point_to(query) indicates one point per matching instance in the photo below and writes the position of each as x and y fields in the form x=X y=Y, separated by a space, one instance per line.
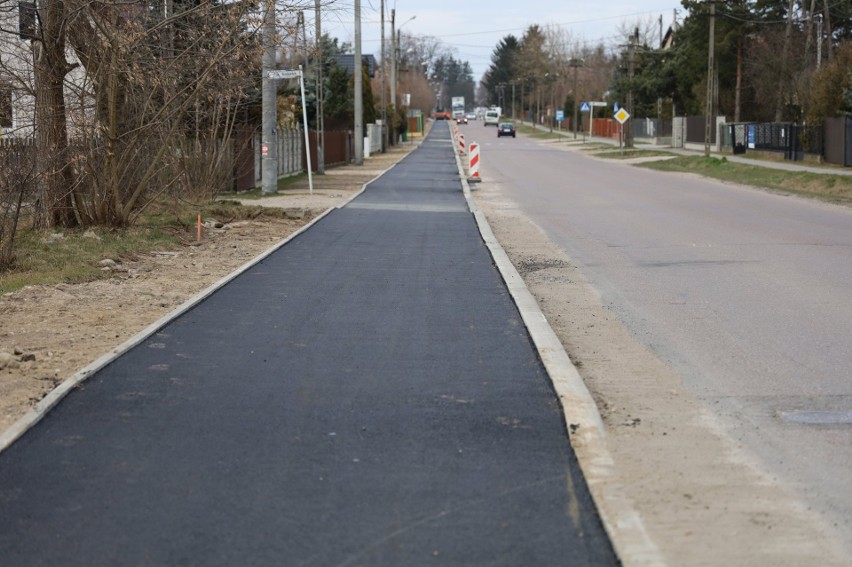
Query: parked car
x=471 y=116
x=505 y=129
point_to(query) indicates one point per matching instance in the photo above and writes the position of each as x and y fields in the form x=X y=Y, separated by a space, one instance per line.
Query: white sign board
x=283 y=74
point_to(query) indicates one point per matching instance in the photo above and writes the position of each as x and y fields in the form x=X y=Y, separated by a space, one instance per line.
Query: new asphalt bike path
x=367 y=394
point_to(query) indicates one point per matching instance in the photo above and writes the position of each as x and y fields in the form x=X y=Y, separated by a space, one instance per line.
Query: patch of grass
x=540 y=132
x=825 y=186
x=257 y=193
x=595 y=146
x=72 y=256
x=632 y=153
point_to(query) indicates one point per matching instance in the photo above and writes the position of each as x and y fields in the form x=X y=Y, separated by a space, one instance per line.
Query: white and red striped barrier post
x=462 y=148
x=474 y=163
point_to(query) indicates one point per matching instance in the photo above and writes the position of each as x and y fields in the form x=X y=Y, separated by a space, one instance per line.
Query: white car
x=492 y=117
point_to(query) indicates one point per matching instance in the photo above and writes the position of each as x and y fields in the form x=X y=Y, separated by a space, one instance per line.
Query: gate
x=838 y=140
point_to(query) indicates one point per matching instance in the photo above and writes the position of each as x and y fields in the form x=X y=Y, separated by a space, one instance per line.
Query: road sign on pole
x=622 y=116
x=292 y=74
x=283 y=74
x=585 y=107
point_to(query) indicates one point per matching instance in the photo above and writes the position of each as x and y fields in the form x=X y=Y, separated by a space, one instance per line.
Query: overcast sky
x=472 y=28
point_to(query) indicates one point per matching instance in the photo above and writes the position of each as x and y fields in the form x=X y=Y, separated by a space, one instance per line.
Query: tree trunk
x=827 y=11
x=56 y=205
x=738 y=88
x=782 y=79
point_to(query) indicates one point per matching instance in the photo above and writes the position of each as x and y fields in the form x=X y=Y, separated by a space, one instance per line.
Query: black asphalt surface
x=366 y=395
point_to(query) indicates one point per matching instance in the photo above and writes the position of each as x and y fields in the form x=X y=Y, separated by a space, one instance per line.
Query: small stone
x=5 y=359
x=28 y=357
x=295 y=213
x=91 y=234
x=107 y=263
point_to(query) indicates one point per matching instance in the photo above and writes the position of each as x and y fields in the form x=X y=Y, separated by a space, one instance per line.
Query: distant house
x=668 y=39
x=347 y=61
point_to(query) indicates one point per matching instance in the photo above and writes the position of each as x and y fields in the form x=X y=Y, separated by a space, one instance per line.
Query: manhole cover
x=818 y=417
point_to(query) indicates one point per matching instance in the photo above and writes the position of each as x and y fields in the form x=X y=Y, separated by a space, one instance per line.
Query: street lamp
x=575 y=63
x=551 y=78
x=395 y=38
x=394 y=48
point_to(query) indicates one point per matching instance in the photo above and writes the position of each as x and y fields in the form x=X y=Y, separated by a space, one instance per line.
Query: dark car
x=505 y=129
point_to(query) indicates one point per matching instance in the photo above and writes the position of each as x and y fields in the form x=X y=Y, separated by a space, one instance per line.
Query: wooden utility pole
x=711 y=64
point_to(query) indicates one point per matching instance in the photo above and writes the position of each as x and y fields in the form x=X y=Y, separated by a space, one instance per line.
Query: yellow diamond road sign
x=622 y=116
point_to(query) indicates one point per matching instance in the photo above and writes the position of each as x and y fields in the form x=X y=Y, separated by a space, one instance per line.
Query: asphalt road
x=745 y=293
x=367 y=395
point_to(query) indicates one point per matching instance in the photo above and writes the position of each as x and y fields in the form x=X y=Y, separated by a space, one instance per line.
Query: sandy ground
x=702 y=502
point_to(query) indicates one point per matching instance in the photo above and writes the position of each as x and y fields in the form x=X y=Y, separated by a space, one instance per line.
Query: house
x=17 y=26
x=347 y=61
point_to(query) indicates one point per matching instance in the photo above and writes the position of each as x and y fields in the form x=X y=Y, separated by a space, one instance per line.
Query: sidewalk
x=755 y=161
x=365 y=395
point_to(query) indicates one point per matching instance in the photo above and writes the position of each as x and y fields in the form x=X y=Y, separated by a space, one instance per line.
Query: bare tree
x=17 y=187
x=132 y=100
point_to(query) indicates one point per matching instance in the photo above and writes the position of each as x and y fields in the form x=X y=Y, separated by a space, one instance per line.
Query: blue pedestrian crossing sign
x=585 y=107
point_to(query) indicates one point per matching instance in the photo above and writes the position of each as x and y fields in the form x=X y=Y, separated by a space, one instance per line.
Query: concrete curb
x=583 y=421
x=34 y=415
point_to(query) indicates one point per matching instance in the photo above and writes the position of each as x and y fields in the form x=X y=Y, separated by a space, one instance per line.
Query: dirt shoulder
x=701 y=500
x=48 y=333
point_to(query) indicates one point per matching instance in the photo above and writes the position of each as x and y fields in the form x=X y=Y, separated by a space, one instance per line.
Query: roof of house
x=347 y=61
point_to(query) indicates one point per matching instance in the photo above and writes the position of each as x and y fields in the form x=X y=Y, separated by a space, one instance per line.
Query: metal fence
x=793 y=140
x=652 y=128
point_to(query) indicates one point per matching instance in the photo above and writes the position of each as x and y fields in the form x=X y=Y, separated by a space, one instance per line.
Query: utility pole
x=320 y=95
x=659 y=127
x=711 y=63
x=359 y=95
x=393 y=61
x=575 y=63
x=819 y=42
x=304 y=38
x=631 y=67
x=384 y=85
x=782 y=79
x=269 y=87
